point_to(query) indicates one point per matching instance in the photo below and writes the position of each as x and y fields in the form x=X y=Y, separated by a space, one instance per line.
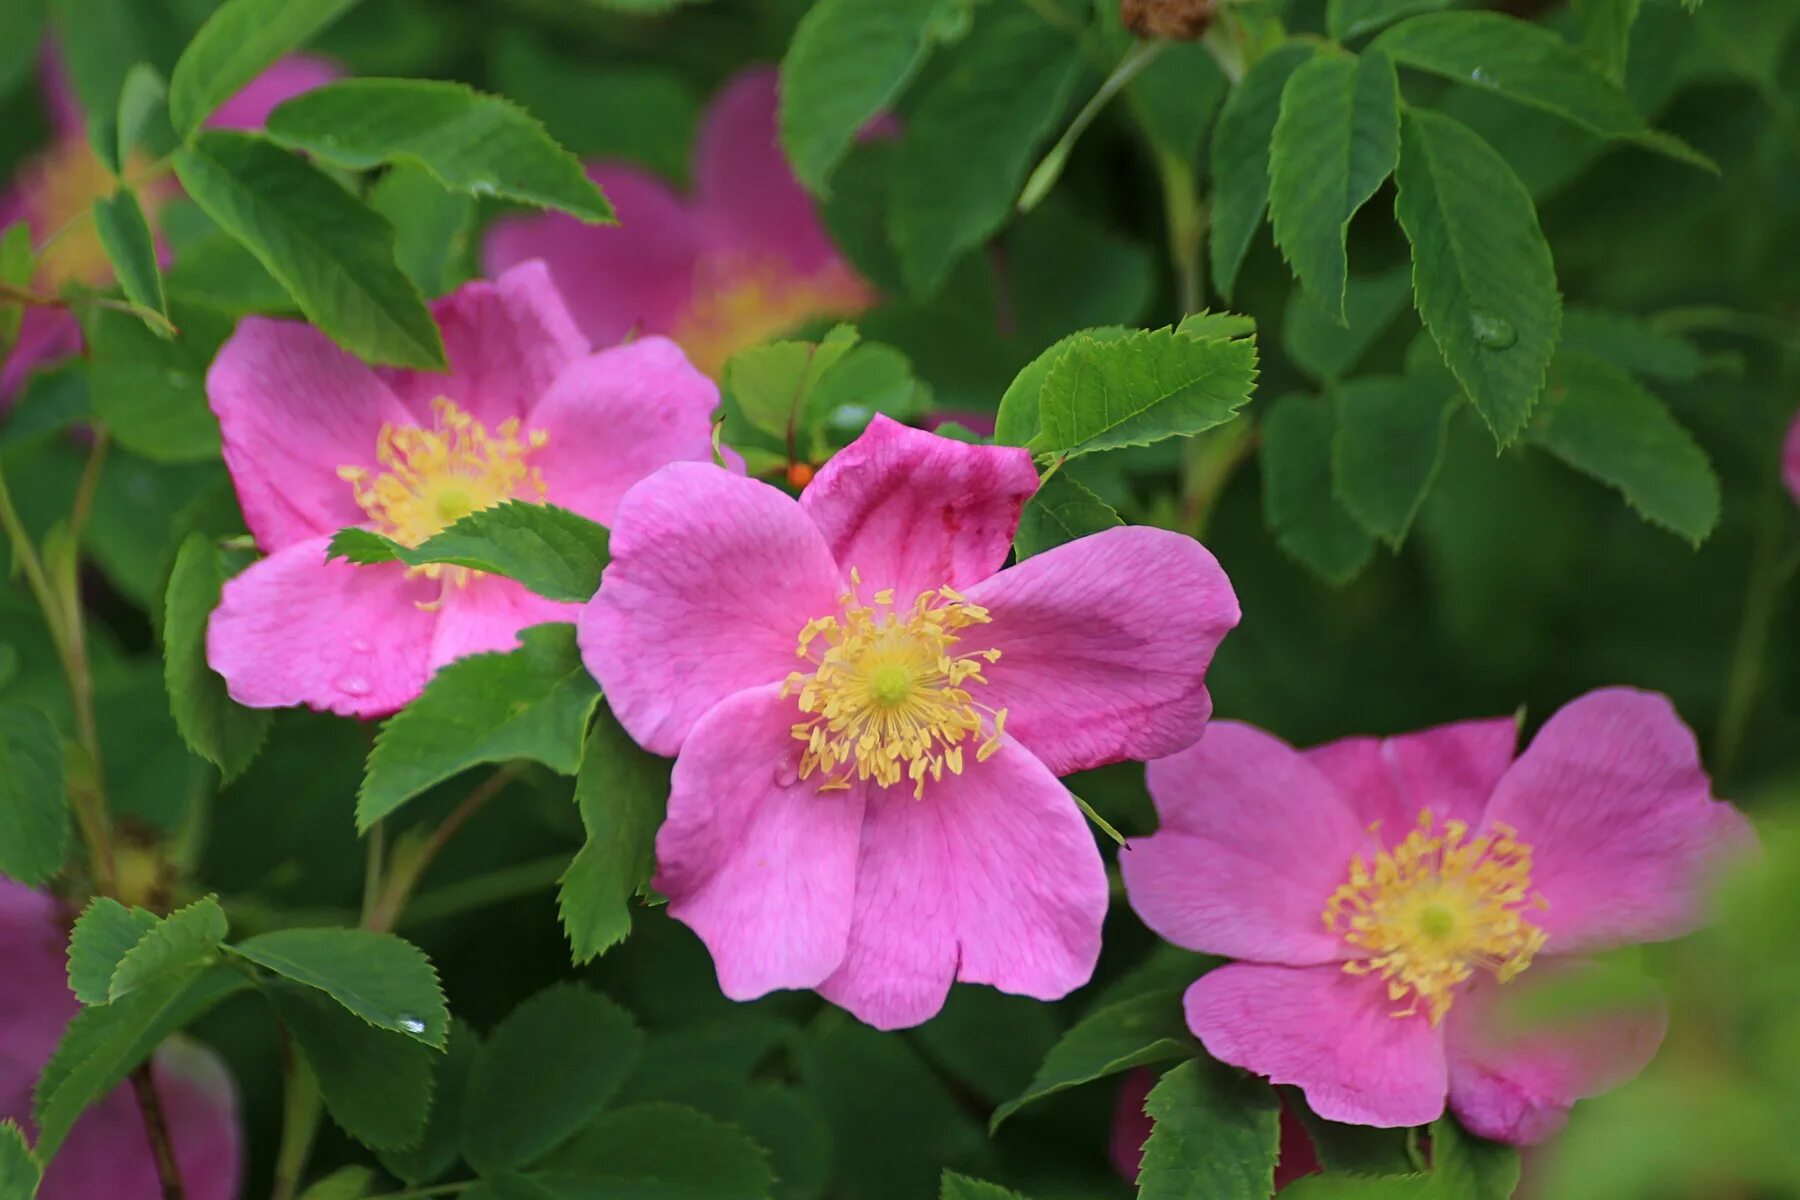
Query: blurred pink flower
x=1132 y=1127
x=1381 y=891
x=1790 y=460
x=888 y=818
x=316 y=440
x=745 y=258
x=107 y=1153
x=62 y=181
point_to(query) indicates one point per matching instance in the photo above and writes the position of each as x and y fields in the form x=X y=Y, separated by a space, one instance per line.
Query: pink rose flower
x=316 y=440
x=1132 y=1127
x=869 y=715
x=744 y=259
x=107 y=1153
x=57 y=186
x=1790 y=460
x=1383 y=892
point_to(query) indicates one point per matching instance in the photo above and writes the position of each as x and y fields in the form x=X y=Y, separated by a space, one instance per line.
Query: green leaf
x=848 y=61
x=104 y=1043
x=1606 y=33
x=375 y=1084
x=622 y=793
x=556 y=553
x=345 y=1183
x=545 y=1072
x=239 y=40
x=215 y=727
x=432 y=227
x=1018 y=420
x=385 y=980
x=334 y=256
x=184 y=939
x=989 y=1041
x=1217 y=1134
x=1133 y=1032
x=485 y=708
x=34 y=810
x=1358 y=1148
x=1467 y=1168
x=1240 y=158
x=437 y=1151
x=469 y=141
x=1602 y=422
x=103 y=932
x=973 y=137
x=1323 y=348
x=1387 y=447
x=18 y=263
x=656 y=1152
x=151 y=390
x=125 y=235
x=1063 y=510
x=1337 y=138
x=768 y=385
x=961 y=1187
x=19 y=1171
x=1150 y=385
x=1346 y=19
x=1307 y=520
x=1528 y=64
x=143 y=119
x=1630 y=342
x=1482 y=275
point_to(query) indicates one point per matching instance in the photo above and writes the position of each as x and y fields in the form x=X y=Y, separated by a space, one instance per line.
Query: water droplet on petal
x=1494 y=332
x=787 y=772
x=360 y=646
x=354 y=685
x=411 y=1023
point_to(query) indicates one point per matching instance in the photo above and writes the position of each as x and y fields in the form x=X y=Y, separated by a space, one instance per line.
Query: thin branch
x=156 y=1125
x=404 y=873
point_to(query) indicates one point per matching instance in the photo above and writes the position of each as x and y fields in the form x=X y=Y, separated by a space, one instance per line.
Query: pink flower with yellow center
x=107 y=1153
x=1393 y=900
x=53 y=192
x=316 y=440
x=869 y=715
x=742 y=260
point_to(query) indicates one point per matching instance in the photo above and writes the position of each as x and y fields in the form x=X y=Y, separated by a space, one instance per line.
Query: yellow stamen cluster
x=888 y=697
x=1430 y=911
x=743 y=303
x=437 y=476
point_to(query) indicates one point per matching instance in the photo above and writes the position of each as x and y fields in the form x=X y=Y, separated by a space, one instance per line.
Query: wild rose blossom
x=316 y=440
x=107 y=1152
x=55 y=189
x=745 y=258
x=1382 y=892
x=869 y=715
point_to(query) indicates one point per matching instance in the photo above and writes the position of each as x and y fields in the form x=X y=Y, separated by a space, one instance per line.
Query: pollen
x=1428 y=913
x=889 y=697
x=435 y=477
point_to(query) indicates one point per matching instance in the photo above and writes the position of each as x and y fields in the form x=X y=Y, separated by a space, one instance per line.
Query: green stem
x=408 y=865
x=506 y=884
x=1209 y=462
x=1044 y=177
x=300 y=1109
x=1769 y=573
x=1186 y=220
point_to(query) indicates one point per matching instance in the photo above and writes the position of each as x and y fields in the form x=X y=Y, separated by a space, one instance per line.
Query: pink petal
x=295 y=629
x=993 y=877
x=1328 y=1032
x=289 y=77
x=1253 y=840
x=292 y=409
x=614 y=417
x=749 y=202
x=108 y=1153
x=1104 y=644
x=711 y=579
x=1618 y=811
x=1450 y=769
x=486 y=614
x=35 y=1000
x=58 y=92
x=1790 y=460
x=759 y=863
x=1131 y=1126
x=45 y=335
x=913 y=511
x=636 y=277
x=507 y=340
x=1515 y=1083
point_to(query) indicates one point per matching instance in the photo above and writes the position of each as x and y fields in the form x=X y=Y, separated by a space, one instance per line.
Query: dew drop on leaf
x=1496 y=333
x=411 y=1023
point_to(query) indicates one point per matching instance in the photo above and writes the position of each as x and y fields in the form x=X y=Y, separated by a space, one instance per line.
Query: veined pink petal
x=486 y=614
x=1253 y=840
x=295 y=629
x=759 y=863
x=612 y=418
x=507 y=340
x=1790 y=460
x=287 y=78
x=292 y=409
x=1450 y=769
x=1328 y=1032
x=711 y=580
x=1104 y=644
x=1619 y=814
x=35 y=1001
x=913 y=511
x=992 y=877
x=637 y=277
x=1516 y=1083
